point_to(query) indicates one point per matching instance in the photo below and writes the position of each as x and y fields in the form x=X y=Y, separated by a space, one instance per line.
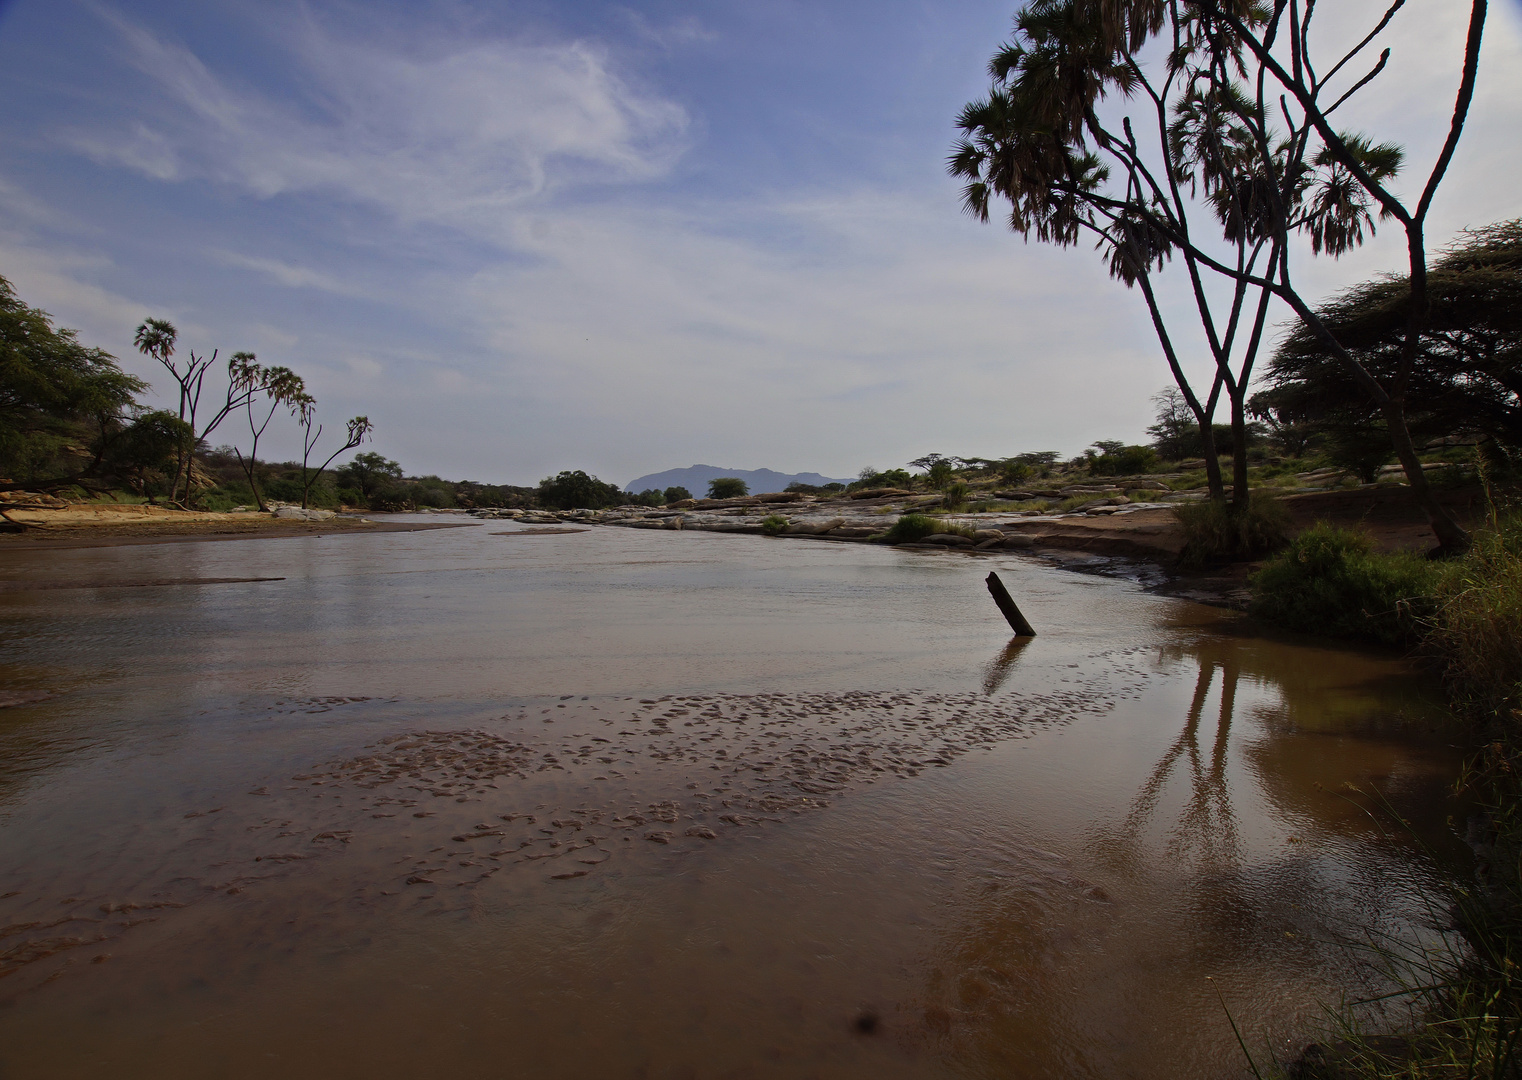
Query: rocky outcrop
x=296 y=513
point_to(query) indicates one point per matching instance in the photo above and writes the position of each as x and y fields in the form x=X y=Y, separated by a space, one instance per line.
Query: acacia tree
x=1466 y=377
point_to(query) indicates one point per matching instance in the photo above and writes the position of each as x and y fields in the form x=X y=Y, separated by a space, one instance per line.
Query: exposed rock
x=781 y=497
x=988 y=534
x=880 y=493
x=948 y=538
x=1018 y=540
x=296 y=513
x=814 y=528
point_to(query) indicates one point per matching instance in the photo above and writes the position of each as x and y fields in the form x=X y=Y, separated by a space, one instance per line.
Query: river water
x=475 y=802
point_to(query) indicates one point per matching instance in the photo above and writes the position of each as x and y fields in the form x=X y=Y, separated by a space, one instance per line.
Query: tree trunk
x=1451 y=537
x=1213 y=480
x=1240 y=496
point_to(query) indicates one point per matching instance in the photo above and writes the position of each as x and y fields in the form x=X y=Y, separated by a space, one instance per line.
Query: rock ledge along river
x=624 y=804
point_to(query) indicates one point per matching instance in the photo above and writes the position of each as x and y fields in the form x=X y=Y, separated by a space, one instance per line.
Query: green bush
x=911 y=528
x=572 y=490
x=1331 y=581
x=1123 y=461
x=773 y=524
x=955 y=497
x=893 y=478
x=727 y=487
x=1218 y=532
x=677 y=494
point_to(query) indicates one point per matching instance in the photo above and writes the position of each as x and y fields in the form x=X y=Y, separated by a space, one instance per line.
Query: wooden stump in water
x=1017 y=621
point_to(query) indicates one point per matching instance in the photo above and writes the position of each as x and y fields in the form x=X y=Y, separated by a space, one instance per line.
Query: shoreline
x=1140 y=542
x=63 y=530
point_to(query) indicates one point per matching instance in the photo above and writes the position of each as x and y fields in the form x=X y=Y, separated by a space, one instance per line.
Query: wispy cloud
x=292 y=277
x=450 y=132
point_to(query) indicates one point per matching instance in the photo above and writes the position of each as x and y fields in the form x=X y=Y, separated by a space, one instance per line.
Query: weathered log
x=1017 y=621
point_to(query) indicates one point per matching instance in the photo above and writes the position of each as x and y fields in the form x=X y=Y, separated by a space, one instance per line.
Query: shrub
x=914 y=527
x=1123 y=461
x=727 y=487
x=773 y=524
x=893 y=478
x=1217 y=531
x=1331 y=581
x=677 y=494
x=571 y=490
x=955 y=496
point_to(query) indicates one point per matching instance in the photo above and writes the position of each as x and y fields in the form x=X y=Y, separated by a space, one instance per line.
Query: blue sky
x=523 y=237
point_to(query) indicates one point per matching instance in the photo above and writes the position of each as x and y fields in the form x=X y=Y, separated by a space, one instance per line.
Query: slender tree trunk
x=1240 y=495
x=1451 y=537
x=1214 y=482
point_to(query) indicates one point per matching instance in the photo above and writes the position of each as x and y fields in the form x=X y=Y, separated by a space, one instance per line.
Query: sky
x=620 y=237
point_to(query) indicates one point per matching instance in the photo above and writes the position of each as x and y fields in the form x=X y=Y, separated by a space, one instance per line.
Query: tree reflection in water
x=1207 y=824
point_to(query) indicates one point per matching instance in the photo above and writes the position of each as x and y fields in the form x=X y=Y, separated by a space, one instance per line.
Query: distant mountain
x=695 y=479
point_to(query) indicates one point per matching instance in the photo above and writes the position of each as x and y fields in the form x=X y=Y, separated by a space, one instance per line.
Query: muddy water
x=623 y=804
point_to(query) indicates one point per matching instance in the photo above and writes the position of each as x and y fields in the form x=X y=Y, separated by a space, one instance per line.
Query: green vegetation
x=872 y=478
x=1108 y=458
x=773 y=524
x=1331 y=581
x=1217 y=531
x=648 y=497
x=727 y=487
x=911 y=528
x=68 y=415
x=1478 y=635
x=1462 y=378
x=677 y=494
x=1464 y=614
x=574 y=489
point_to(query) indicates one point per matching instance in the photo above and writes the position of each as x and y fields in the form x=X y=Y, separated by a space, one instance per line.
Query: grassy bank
x=1464 y=617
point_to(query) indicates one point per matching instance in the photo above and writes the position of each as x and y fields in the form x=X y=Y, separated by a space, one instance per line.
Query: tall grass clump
x=1218 y=532
x=1332 y=582
x=1478 y=633
x=1458 y=1000
x=911 y=528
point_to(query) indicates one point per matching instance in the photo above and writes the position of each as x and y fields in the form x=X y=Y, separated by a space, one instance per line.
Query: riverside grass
x=1215 y=531
x=911 y=528
x=1463 y=997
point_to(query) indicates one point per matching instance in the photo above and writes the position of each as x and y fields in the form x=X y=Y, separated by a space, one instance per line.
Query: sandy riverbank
x=85 y=525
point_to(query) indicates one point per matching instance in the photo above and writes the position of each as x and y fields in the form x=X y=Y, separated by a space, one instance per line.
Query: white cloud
x=291 y=276
x=445 y=132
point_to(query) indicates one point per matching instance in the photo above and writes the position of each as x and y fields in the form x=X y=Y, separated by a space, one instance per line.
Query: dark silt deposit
x=632 y=804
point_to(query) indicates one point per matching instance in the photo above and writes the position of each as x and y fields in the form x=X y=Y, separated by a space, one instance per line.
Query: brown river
x=473 y=803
